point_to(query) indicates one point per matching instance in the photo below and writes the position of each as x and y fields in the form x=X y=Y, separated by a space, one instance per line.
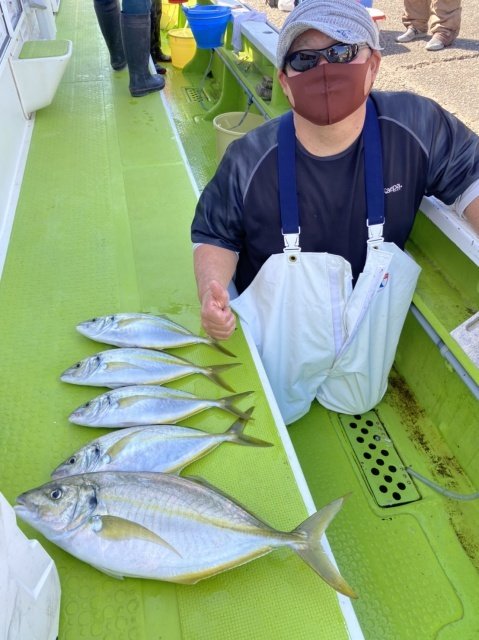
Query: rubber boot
x=155 y=35
x=135 y=30
x=108 y=16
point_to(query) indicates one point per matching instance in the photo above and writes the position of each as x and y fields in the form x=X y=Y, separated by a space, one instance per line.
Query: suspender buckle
x=375 y=235
x=291 y=245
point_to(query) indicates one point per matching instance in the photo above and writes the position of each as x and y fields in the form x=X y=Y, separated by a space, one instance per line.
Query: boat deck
x=102 y=225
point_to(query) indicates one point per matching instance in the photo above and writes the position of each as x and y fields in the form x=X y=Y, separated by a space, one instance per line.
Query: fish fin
x=219 y=347
x=129 y=401
x=186 y=580
x=112 y=574
x=115 y=528
x=227 y=404
x=213 y=370
x=238 y=437
x=120 y=445
x=174 y=326
x=125 y=322
x=312 y=551
x=119 y=366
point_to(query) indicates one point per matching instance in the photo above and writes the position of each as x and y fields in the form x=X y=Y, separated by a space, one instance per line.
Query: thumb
x=219 y=294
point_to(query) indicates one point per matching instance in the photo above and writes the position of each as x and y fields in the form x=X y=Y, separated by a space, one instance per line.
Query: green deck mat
x=102 y=225
x=44 y=49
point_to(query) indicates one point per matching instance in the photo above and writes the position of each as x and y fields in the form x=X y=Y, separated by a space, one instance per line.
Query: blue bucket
x=208 y=24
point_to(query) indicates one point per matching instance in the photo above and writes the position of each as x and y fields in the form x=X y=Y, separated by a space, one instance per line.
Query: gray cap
x=343 y=20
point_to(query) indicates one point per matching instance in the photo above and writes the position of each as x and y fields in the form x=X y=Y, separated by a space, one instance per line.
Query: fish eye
x=112 y=318
x=98 y=359
x=78 y=365
x=72 y=460
x=97 y=449
x=56 y=494
x=93 y=319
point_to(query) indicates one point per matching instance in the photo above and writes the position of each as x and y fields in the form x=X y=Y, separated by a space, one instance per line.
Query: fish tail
x=227 y=404
x=236 y=433
x=213 y=371
x=312 y=551
x=219 y=347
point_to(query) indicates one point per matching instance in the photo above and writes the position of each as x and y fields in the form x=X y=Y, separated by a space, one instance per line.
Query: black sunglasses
x=339 y=53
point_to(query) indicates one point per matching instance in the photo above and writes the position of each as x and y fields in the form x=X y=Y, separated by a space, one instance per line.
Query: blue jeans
x=131 y=7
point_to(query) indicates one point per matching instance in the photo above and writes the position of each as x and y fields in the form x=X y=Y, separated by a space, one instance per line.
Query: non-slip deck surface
x=102 y=225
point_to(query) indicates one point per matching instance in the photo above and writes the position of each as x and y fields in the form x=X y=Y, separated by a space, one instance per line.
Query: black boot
x=155 y=44
x=135 y=30
x=108 y=16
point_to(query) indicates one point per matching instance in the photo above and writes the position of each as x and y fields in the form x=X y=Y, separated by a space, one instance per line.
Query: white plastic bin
x=29 y=584
x=228 y=128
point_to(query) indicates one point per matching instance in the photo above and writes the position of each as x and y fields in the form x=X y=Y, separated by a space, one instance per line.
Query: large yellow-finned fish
x=143 y=330
x=164 y=527
x=165 y=448
x=148 y=404
x=125 y=367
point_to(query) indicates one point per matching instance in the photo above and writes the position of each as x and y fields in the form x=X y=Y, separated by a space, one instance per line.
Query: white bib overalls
x=316 y=335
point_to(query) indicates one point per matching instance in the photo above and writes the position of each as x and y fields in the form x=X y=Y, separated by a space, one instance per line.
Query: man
x=304 y=206
x=444 y=17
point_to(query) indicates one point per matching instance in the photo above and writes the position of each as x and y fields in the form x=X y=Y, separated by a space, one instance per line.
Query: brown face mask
x=330 y=92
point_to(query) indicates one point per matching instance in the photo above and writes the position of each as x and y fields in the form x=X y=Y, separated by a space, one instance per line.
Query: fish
x=129 y=366
x=143 y=330
x=148 y=404
x=162 y=448
x=165 y=527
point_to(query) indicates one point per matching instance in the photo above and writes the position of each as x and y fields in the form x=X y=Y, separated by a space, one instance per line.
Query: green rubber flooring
x=102 y=225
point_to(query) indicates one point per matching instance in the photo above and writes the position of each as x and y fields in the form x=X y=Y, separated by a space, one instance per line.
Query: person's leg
x=156 y=52
x=108 y=16
x=445 y=20
x=415 y=18
x=136 y=33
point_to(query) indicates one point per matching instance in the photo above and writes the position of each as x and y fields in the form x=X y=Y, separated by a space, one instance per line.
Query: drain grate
x=380 y=463
x=195 y=95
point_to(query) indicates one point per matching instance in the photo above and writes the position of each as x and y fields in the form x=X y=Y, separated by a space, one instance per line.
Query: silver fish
x=165 y=448
x=165 y=527
x=143 y=330
x=129 y=366
x=148 y=404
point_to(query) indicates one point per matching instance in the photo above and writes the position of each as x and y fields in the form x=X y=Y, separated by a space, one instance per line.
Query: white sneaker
x=435 y=44
x=411 y=34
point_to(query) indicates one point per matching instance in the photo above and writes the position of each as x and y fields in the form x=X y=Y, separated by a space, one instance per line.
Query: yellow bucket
x=228 y=128
x=182 y=46
x=169 y=16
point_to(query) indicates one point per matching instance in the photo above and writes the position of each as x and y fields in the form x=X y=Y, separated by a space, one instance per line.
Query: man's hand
x=214 y=268
x=216 y=316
